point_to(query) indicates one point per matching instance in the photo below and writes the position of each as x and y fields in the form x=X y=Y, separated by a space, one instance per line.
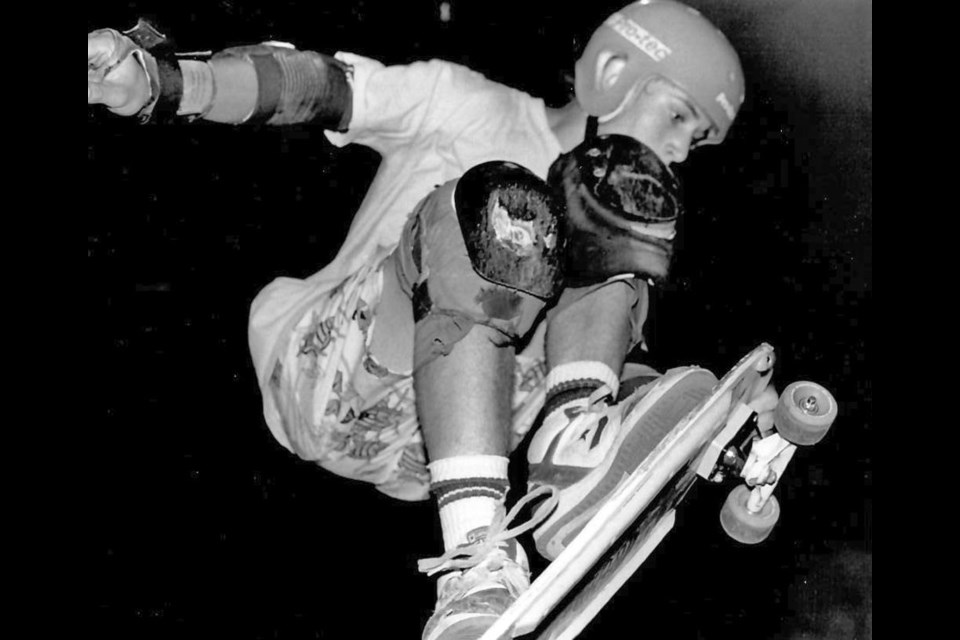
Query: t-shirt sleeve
x=393 y=105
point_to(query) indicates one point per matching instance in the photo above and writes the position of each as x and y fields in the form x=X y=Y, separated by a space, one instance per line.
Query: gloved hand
x=116 y=76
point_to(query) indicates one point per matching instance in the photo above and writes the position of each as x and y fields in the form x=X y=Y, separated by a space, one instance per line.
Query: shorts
x=342 y=409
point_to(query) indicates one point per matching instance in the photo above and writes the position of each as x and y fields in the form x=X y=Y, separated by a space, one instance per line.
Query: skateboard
x=718 y=439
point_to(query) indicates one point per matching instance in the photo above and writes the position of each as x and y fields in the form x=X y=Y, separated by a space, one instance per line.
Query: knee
x=483 y=249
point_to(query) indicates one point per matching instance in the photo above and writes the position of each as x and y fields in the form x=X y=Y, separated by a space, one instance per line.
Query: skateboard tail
x=571 y=628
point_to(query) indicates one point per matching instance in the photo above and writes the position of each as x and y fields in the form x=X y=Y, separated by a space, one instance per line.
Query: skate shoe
x=585 y=453
x=485 y=577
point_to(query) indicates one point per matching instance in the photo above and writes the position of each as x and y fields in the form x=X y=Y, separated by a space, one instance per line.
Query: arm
x=139 y=73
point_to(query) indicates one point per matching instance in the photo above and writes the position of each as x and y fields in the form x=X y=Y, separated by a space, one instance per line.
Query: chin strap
x=593 y=123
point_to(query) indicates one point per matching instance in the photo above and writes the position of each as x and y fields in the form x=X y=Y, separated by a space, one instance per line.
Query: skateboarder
x=417 y=359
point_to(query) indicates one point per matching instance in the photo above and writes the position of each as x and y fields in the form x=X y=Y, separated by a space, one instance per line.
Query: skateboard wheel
x=805 y=412
x=743 y=526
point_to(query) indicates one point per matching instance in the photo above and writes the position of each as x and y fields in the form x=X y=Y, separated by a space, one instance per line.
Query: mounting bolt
x=809 y=404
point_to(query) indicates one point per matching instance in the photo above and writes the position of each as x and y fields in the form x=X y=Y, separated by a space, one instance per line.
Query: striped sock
x=468 y=490
x=570 y=384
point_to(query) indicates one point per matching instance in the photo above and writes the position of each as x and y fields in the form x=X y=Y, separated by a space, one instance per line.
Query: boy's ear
x=609 y=68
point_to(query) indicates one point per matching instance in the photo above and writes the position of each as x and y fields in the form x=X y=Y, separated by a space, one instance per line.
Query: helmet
x=671 y=40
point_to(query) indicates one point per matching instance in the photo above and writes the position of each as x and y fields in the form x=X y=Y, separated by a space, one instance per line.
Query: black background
x=203 y=526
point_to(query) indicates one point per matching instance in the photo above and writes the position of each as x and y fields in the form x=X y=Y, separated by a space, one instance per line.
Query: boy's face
x=664 y=118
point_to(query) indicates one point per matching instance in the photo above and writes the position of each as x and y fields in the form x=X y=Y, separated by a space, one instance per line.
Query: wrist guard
x=163 y=68
x=622 y=204
x=292 y=86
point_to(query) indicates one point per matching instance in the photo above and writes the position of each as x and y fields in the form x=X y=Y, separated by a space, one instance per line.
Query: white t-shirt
x=431 y=121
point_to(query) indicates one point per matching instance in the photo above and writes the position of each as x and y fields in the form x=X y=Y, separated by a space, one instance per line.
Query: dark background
x=203 y=526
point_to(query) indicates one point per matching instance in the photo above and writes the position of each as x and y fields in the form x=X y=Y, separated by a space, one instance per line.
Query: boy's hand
x=115 y=78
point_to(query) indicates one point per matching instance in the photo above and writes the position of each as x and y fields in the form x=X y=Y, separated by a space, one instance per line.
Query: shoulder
x=433 y=71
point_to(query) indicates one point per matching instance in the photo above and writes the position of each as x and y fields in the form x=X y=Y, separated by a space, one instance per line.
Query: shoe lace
x=600 y=400
x=469 y=556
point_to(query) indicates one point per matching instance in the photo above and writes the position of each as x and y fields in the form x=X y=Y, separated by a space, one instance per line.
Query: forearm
x=269 y=83
x=223 y=90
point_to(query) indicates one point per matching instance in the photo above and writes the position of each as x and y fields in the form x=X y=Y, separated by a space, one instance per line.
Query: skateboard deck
x=572 y=589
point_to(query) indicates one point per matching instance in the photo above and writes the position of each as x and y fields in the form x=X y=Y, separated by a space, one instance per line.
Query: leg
x=589 y=334
x=464 y=398
x=460 y=360
x=594 y=328
x=468 y=319
x=585 y=444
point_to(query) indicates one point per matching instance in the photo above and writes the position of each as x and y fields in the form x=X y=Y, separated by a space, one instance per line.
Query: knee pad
x=622 y=204
x=484 y=249
x=511 y=228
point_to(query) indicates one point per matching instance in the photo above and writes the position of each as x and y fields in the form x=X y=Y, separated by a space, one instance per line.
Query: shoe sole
x=469 y=618
x=654 y=423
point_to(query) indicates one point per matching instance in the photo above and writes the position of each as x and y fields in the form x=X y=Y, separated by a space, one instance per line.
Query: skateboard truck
x=763 y=469
x=803 y=415
x=720 y=456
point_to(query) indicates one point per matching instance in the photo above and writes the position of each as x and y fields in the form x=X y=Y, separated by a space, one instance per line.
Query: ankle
x=469 y=491
x=570 y=385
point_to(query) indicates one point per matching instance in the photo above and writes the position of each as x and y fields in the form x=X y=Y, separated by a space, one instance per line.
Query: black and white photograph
x=480 y=320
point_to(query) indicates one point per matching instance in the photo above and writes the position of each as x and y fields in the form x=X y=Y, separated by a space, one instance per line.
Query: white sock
x=468 y=490
x=570 y=384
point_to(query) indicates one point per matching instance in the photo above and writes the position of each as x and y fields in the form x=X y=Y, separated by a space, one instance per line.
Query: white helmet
x=670 y=40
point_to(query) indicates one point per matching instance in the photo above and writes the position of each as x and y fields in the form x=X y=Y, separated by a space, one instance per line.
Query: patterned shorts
x=342 y=409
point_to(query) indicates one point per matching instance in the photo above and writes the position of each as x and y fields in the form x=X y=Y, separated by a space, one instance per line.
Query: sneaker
x=485 y=577
x=585 y=454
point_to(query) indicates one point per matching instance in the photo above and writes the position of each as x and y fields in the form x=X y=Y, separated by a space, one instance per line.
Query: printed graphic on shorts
x=339 y=407
x=374 y=368
x=413 y=462
x=333 y=405
x=363 y=315
x=530 y=375
x=317 y=338
x=291 y=416
x=276 y=375
x=365 y=433
x=410 y=479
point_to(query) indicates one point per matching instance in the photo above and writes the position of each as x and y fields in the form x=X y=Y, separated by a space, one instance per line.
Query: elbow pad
x=298 y=86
